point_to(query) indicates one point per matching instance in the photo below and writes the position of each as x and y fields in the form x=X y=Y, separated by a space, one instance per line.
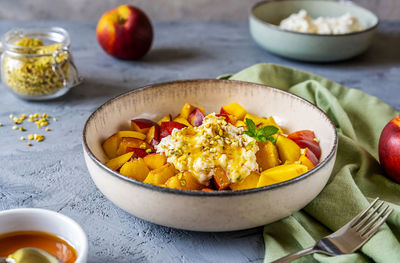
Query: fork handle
x=296 y=255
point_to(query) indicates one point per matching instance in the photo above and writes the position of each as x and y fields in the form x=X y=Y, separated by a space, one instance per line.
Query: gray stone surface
x=53 y=175
x=227 y=10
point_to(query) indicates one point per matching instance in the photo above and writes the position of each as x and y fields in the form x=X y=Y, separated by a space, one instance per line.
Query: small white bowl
x=211 y=210
x=35 y=219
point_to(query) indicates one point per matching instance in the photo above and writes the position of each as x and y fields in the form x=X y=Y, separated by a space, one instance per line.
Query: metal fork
x=350 y=237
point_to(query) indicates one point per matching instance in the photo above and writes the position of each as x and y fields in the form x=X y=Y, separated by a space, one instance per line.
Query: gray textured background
x=53 y=174
x=161 y=10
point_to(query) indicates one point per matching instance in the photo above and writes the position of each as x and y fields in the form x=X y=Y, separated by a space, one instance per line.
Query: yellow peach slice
x=164 y=119
x=281 y=173
x=117 y=162
x=186 y=110
x=183 y=121
x=249 y=182
x=234 y=109
x=155 y=160
x=135 y=169
x=267 y=155
x=288 y=150
x=160 y=175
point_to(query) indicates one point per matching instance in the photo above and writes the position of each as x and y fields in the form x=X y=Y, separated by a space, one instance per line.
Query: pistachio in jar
x=38 y=64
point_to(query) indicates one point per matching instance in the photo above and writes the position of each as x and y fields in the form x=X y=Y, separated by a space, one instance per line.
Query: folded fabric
x=357 y=177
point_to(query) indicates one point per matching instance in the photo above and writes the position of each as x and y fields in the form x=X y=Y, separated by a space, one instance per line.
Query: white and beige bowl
x=36 y=219
x=216 y=210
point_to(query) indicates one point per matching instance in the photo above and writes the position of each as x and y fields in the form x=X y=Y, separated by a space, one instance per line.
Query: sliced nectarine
x=110 y=146
x=281 y=173
x=267 y=155
x=142 y=125
x=153 y=135
x=189 y=181
x=133 y=143
x=196 y=117
x=186 y=110
x=221 y=180
x=173 y=182
x=184 y=181
x=288 y=150
x=305 y=161
x=234 y=109
x=136 y=152
x=167 y=127
x=164 y=119
x=202 y=110
x=160 y=175
x=306 y=139
x=248 y=182
x=155 y=160
x=117 y=162
x=182 y=120
x=131 y=134
x=135 y=168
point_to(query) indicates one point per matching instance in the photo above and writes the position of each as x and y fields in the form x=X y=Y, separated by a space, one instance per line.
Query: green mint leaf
x=263 y=134
x=249 y=133
x=251 y=126
x=268 y=130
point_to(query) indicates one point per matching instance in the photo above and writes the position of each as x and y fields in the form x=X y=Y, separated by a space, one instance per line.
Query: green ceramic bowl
x=264 y=27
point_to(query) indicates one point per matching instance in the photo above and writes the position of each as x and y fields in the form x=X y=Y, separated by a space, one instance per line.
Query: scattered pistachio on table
x=41 y=120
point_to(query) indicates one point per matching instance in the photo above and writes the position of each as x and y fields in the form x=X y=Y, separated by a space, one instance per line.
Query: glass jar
x=36 y=63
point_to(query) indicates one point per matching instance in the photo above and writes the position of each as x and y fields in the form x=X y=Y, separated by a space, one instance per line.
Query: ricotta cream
x=301 y=22
x=212 y=144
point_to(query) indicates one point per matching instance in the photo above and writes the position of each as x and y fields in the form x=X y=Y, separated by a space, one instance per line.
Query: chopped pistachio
x=30 y=136
x=22 y=128
x=142 y=146
x=29 y=144
x=15 y=127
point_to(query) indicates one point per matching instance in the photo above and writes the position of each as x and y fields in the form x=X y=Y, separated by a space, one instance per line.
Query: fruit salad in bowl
x=209 y=155
x=229 y=150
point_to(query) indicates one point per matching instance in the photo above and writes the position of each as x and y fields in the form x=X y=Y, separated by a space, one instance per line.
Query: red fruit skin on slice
x=306 y=139
x=311 y=156
x=168 y=126
x=136 y=152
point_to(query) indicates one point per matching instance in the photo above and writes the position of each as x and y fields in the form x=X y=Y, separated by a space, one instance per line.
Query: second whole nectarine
x=125 y=32
x=389 y=149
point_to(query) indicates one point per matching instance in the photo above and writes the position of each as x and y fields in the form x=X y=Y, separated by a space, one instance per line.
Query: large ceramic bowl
x=217 y=210
x=264 y=27
x=35 y=219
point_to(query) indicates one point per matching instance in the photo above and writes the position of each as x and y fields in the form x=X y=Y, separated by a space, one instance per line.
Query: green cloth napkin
x=356 y=179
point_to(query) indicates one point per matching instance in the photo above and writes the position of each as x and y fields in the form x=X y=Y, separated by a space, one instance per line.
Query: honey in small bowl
x=50 y=243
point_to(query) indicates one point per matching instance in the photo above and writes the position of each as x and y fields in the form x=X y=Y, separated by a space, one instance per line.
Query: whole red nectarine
x=389 y=149
x=125 y=32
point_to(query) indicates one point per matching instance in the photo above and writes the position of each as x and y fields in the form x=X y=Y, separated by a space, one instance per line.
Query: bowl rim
x=56 y=215
x=226 y=193
x=277 y=28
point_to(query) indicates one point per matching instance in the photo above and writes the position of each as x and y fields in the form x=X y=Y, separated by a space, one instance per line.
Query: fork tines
x=367 y=223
